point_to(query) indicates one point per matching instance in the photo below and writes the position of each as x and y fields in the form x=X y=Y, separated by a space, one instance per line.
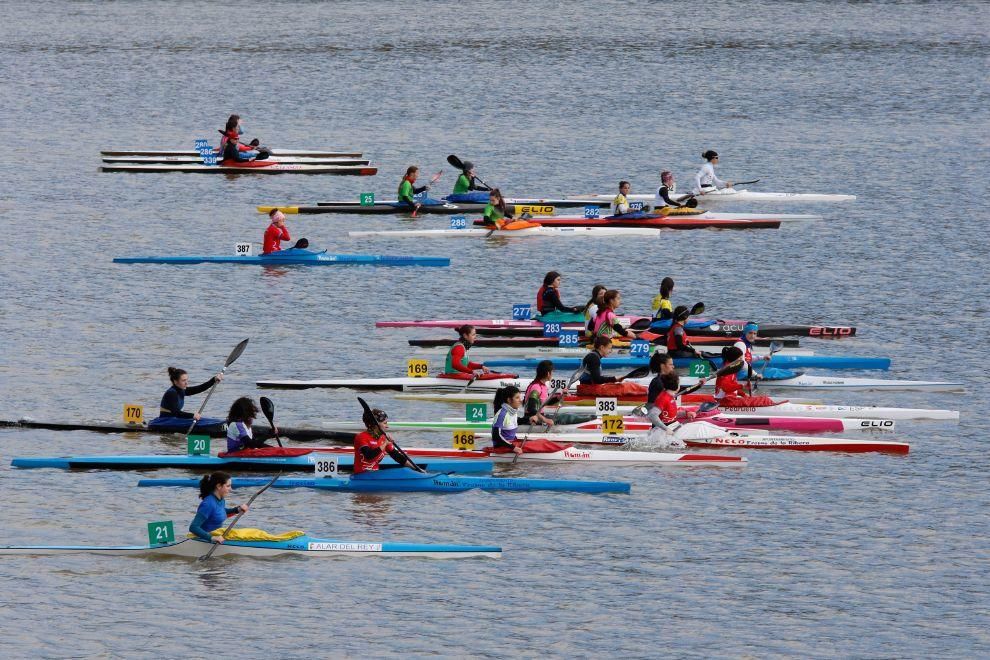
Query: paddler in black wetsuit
x=174 y=398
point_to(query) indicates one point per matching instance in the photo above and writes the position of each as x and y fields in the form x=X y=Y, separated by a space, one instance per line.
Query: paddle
x=737 y=183
x=456 y=162
x=433 y=180
x=404 y=455
x=234 y=354
x=268 y=407
x=563 y=392
x=301 y=244
x=233 y=522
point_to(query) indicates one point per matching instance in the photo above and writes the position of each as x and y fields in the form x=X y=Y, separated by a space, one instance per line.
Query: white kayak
x=302 y=160
x=792 y=409
x=623 y=458
x=586 y=232
x=800 y=381
x=159 y=153
x=726 y=195
x=542 y=352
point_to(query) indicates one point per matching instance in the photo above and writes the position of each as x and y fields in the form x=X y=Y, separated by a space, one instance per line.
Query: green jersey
x=462 y=185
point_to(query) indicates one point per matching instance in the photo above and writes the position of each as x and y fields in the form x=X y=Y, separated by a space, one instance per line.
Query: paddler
x=235 y=129
x=705 y=180
x=537 y=394
x=408 y=189
x=606 y=324
x=467 y=181
x=276 y=232
x=592 y=306
x=372 y=445
x=661 y=305
x=662 y=410
x=548 y=296
x=232 y=152
x=678 y=344
x=745 y=345
x=175 y=397
x=495 y=212
x=620 y=203
x=240 y=420
x=213 y=510
x=664 y=192
x=594 y=382
x=507 y=405
x=457 y=362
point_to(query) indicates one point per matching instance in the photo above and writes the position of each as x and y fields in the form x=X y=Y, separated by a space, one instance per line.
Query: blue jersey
x=210 y=515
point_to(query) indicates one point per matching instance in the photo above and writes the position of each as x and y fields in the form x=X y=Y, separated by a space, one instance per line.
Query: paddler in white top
x=620 y=203
x=705 y=180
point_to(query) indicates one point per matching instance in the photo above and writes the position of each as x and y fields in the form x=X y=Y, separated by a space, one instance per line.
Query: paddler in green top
x=408 y=189
x=494 y=215
x=467 y=181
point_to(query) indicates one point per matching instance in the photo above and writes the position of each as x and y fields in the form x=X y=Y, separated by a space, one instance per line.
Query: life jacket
x=449 y=367
x=672 y=337
x=366 y=439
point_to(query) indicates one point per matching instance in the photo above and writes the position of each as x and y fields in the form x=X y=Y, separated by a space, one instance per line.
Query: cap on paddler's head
x=681 y=313
x=750 y=327
x=468 y=165
x=374 y=415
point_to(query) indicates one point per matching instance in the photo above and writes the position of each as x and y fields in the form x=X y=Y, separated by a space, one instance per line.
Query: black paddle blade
x=236 y=353
x=640 y=324
x=302 y=243
x=708 y=405
x=699 y=308
x=268 y=408
x=638 y=372
x=691 y=203
x=455 y=162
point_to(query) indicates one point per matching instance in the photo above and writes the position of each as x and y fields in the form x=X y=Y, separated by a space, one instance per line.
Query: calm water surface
x=798 y=555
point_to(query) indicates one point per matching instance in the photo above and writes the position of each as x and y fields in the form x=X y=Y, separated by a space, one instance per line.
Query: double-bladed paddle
x=775 y=347
x=645 y=323
x=404 y=455
x=268 y=407
x=233 y=522
x=459 y=164
x=234 y=354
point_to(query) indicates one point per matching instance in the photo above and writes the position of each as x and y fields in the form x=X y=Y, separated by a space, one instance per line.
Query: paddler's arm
x=666 y=198
x=196 y=527
x=398 y=457
x=478 y=186
x=202 y=387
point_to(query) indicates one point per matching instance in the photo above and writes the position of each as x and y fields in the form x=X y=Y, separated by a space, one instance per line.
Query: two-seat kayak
x=292 y=257
x=305 y=545
x=406 y=480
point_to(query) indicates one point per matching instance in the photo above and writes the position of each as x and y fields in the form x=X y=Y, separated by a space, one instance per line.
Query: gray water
x=797 y=555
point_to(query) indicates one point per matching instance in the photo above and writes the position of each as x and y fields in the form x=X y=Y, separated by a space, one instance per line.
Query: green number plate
x=161 y=532
x=367 y=199
x=700 y=369
x=476 y=412
x=198 y=444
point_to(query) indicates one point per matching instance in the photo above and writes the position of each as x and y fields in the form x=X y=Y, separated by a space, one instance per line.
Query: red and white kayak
x=800 y=443
x=248 y=167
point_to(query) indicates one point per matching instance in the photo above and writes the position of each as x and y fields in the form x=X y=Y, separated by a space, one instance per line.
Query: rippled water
x=810 y=555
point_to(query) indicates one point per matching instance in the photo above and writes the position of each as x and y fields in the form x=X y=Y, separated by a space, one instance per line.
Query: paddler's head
x=612 y=299
x=667 y=178
x=729 y=355
x=179 y=377
x=666 y=287
x=681 y=313
x=509 y=395
x=468 y=167
x=603 y=346
x=750 y=331
x=374 y=418
x=216 y=484
x=278 y=218
x=544 y=370
x=671 y=382
x=552 y=279
x=624 y=187
x=711 y=156
x=468 y=334
x=411 y=173
x=661 y=363
x=597 y=292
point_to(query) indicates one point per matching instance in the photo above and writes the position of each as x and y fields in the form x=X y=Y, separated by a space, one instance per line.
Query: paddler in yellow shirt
x=620 y=203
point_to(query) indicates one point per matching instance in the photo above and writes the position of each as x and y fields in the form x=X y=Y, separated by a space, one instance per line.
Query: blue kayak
x=293 y=257
x=297 y=463
x=405 y=480
x=781 y=361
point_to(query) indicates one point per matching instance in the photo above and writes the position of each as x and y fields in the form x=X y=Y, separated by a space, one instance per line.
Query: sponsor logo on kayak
x=534 y=209
x=877 y=423
x=572 y=453
x=345 y=547
x=830 y=331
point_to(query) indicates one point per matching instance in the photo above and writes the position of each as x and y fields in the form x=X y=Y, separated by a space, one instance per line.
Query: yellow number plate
x=613 y=425
x=464 y=440
x=417 y=368
x=133 y=414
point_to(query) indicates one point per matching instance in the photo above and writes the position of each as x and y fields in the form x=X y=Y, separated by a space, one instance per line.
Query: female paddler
x=538 y=393
x=620 y=203
x=276 y=233
x=678 y=344
x=497 y=216
x=594 y=383
x=606 y=323
x=664 y=192
x=548 y=296
x=174 y=398
x=662 y=307
x=408 y=189
x=745 y=346
x=458 y=364
x=592 y=306
x=372 y=445
x=508 y=408
x=240 y=426
x=705 y=180
x=467 y=182
x=213 y=510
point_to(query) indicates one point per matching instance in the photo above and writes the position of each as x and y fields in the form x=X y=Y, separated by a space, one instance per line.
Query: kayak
x=249 y=167
x=306 y=545
x=516 y=206
x=586 y=232
x=702 y=221
x=704 y=216
x=537 y=324
x=795 y=381
x=777 y=361
x=292 y=257
x=793 y=409
x=722 y=195
x=197 y=159
x=301 y=460
x=218 y=430
x=540 y=353
x=309 y=153
x=407 y=480
x=535 y=343
x=800 y=443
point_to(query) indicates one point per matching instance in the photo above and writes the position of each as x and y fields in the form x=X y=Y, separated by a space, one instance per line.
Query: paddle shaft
x=238 y=516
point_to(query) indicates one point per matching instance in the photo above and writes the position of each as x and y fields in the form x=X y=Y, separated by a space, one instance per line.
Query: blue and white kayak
x=293 y=257
x=304 y=463
x=306 y=545
x=406 y=480
x=779 y=361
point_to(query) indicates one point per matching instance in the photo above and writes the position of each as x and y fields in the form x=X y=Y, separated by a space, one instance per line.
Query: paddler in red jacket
x=548 y=296
x=276 y=232
x=372 y=445
x=678 y=344
x=457 y=357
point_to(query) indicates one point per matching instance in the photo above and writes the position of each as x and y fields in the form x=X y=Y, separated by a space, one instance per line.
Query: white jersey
x=705 y=178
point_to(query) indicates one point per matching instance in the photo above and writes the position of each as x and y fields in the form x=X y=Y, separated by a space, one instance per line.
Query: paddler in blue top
x=175 y=397
x=213 y=510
